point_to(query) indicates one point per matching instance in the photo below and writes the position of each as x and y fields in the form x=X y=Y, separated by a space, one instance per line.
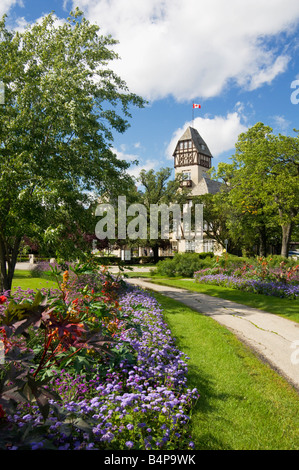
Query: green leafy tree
x=263 y=182
x=245 y=223
x=62 y=105
x=156 y=189
x=216 y=214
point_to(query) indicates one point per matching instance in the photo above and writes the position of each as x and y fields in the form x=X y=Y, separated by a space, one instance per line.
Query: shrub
x=166 y=268
x=231 y=262
x=276 y=261
x=208 y=254
x=183 y=264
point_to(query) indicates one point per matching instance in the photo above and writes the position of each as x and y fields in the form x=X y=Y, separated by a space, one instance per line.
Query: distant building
x=193 y=158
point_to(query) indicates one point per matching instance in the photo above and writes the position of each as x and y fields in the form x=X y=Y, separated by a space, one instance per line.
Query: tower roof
x=201 y=146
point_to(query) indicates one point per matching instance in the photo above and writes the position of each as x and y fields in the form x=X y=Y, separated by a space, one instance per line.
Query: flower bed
x=126 y=389
x=256 y=286
x=259 y=277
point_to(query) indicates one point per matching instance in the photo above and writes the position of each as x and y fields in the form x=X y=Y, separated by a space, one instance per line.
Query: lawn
x=27 y=280
x=243 y=404
x=284 y=307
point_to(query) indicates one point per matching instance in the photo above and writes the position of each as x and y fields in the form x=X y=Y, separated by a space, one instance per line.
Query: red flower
x=2 y=412
x=3 y=299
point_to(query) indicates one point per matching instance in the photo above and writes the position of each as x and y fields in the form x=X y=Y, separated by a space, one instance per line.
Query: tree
x=251 y=228
x=263 y=182
x=216 y=214
x=56 y=129
x=158 y=189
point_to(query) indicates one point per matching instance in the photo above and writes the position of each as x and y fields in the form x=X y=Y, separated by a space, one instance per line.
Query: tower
x=193 y=158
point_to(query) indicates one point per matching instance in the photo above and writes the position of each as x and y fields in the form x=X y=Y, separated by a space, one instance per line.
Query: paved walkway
x=273 y=338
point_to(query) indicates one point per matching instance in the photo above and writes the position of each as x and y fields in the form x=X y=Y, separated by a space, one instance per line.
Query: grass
x=284 y=307
x=27 y=280
x=243 y=404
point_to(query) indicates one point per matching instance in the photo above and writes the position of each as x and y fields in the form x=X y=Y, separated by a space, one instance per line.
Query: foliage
x=57 y=127
x=158 y=189
x=261 y=187
x=259 y=275
x=216 y=213
x=72 y=327
x=183 y=264
x=91 y=365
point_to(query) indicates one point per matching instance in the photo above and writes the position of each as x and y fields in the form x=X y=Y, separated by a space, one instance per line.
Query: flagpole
x=192 y=114
x=194 y=106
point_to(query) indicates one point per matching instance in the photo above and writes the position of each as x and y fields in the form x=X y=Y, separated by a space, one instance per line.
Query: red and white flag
x=196 y=105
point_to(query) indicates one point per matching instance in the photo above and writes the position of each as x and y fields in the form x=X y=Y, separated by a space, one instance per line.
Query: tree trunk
x=286 y=238
x=8 y=263
x=156 y=253
x=3 y=268
x=263 y=241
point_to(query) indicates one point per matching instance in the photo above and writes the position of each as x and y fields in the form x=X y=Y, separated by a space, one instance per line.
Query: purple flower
x=151 y=385
x=107 y=437
x=36 y=445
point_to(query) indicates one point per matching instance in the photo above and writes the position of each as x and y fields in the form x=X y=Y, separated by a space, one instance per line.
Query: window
x=189 y=246
x=205 y=161
x=186 y=144
x=187 y=174
x=208 y=246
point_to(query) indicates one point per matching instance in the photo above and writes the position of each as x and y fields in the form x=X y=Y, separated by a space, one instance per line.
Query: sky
x=238 y=59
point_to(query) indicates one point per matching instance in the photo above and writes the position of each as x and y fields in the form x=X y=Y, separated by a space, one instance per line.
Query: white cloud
x=122 y=155
x=194 y=48
x=281 y=124
x=6 y=5
x=220 y=133
x=267 y=74
x=147 y=165
x=21 y=24
x=65 y=5
x=136 y=163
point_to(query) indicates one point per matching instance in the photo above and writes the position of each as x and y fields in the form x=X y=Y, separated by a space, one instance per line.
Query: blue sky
x=236 y=59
